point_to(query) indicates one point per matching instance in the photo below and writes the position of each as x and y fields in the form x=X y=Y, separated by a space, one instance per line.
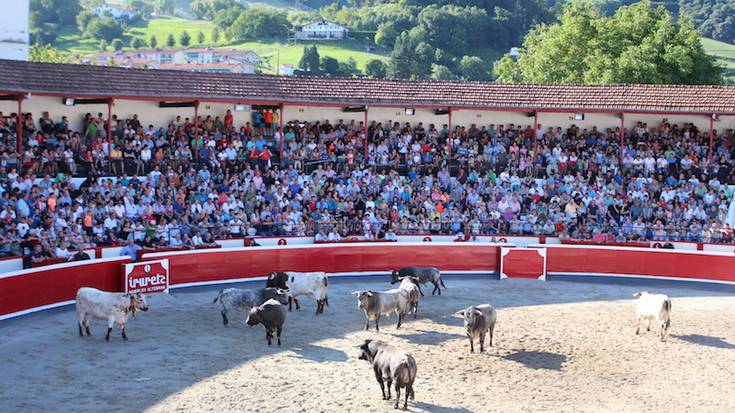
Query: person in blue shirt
x=131 y=250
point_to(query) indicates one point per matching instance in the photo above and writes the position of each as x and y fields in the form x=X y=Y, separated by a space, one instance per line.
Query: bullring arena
x=559 y=345
x=553 y=203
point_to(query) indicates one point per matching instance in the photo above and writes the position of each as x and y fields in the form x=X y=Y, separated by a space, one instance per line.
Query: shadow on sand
x=537 y=359
x=709 y=341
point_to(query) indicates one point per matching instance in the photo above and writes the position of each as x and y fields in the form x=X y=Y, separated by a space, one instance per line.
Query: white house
x=104 y=10
x=287 y=70
x=321 y=29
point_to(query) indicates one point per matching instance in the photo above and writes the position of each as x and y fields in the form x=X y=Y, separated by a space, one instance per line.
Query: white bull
x=103 y=305
x=307 y=283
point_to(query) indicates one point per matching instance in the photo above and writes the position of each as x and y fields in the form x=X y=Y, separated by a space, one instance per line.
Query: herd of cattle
x=392 y=366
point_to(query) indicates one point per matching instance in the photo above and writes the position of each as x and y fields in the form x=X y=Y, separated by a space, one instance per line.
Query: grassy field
x=725 y=53
x=272 y=52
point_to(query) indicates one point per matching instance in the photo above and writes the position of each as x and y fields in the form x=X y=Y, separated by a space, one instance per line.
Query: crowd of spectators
x=195 y=180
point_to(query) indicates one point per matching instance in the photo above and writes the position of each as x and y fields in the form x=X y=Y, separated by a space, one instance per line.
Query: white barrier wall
x=11 y=264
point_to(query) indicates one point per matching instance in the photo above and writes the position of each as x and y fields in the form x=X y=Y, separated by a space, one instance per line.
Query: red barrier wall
x=28 y=289
x=204 y=266
x=704 y=266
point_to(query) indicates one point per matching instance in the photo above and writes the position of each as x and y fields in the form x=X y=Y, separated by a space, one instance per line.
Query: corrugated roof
x=87 y=80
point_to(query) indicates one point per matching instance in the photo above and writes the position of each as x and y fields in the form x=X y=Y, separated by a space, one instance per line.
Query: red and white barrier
x=523 y=263
x=600 y=261
x=25 y=291
x=189 y=268
x=35 y=289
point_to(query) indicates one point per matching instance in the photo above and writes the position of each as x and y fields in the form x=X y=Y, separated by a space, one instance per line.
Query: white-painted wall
x=466 y=117
x=701 y=121
x=390 y=115
x=314 y=113
x=14 y=33
x=565 y=120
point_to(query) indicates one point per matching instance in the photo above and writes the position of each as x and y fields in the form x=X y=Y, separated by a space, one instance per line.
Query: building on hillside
x=219 y=67
x=287 y=70
x=215 y=60
x=117 y=13
x=14 y=34
x=321 y=29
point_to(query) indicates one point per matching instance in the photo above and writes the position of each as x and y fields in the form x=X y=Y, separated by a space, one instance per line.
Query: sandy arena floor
x=560 y=347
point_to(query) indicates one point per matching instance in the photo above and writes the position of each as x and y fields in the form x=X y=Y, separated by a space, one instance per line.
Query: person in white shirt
x=320 y=237
x=334 y=235
x=62 y=251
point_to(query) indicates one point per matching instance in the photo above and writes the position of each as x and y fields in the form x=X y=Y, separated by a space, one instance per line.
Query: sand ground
x=559 y=347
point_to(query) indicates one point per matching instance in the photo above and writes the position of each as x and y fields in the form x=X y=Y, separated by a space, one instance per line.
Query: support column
x=711 y=137
x=365 y=125
x=19 y=129
x=109 y=120
x=449 y=139
x=535 y=139
x=622 y=137
x=280 y=127
x=196 y=131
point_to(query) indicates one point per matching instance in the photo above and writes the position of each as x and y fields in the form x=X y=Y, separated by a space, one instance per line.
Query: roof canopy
x=100 y=81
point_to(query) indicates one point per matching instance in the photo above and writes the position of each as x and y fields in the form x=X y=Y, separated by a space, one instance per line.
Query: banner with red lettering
x=146 y=277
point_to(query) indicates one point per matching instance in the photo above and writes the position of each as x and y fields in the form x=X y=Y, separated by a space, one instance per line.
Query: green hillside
x=725 y=53
x=271 y=52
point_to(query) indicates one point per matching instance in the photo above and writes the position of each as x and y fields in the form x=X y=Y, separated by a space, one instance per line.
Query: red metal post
x=622 y=137
x=365 y=125
x=280 y=127
x=711 y=137
x=196 y=131
x=19 y=126
x=109 y=120
x=535 y=138
x=449 y=137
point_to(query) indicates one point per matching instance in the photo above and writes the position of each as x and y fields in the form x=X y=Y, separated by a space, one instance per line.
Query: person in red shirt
x=268 y=122
x=229 y=120
x=265 y=157
x=253 y=156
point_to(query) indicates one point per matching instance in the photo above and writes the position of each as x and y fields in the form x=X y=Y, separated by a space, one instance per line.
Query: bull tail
x=325 y=282
x=667 y=309
x=442 y=282
x=218 y=296
x=326 y=300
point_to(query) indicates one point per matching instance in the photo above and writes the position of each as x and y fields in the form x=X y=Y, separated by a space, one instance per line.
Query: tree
x=310 y=59
x=47 y=54
x=141 y=7
x=62 y=12
x=440 y=72
x=201 y=38
x=714 y=18
x=137 y=43
x=106 y=28
x=473 y=68
x=103 y=45
x=185 y=38
x=117 y=45
x=376 y=68
x=408 y=60
x=215 y=35
x=83 y=20
x=261 y=23
x=329 y=65
x=153 y=41
x=638 y=44
x=170 y=40
x=164 y=6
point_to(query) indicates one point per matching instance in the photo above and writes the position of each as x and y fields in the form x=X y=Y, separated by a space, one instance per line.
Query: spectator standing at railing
x=131 y=250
